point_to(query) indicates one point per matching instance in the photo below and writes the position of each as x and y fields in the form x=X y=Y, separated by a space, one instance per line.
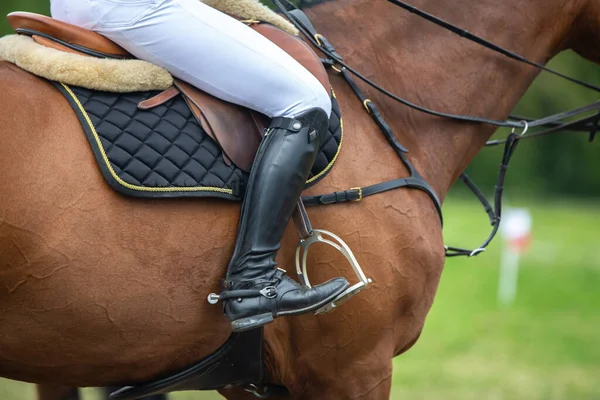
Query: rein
x=551 y=124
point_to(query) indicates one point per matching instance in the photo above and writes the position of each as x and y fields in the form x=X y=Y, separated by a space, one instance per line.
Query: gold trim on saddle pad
x=333 y=160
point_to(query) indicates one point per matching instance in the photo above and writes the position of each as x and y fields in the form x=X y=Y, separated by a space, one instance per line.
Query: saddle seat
x=236 y=129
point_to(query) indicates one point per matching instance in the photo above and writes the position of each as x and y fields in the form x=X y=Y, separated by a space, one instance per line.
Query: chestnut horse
x=99 y=289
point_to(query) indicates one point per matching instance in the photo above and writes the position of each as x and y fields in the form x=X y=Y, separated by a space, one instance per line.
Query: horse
x=99 y=289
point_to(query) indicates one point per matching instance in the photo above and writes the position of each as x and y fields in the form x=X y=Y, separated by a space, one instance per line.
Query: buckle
x=360 y=193
x=319 y=38
x=226 y=284
x=270 y=292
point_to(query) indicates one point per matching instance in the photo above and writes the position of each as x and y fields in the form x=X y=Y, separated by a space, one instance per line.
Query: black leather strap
x=312 y=36
x=299 y=19
x=239 y=361
x=552 y=123
x=77 y=48
x=374 y=112
x=289 y=124
x=357 y=194
x=494 y=213
x=485 y=43
x=333 y=198
x=587 y=125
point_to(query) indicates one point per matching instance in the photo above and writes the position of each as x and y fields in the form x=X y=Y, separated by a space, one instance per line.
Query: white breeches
x=204 y=47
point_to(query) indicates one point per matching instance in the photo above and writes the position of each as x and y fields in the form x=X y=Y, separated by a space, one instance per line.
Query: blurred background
x=543 y=343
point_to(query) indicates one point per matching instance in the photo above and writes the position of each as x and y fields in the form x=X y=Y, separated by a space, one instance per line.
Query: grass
x=545 y=346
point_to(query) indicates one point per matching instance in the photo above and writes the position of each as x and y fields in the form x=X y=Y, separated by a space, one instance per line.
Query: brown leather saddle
x=238 y=130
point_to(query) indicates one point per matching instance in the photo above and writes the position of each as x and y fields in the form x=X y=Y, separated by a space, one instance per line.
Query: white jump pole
x=516 y=231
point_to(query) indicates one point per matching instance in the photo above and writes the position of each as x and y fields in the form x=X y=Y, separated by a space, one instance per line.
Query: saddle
x=236 y=129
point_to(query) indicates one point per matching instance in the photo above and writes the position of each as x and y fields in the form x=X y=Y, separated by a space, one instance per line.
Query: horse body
x=99 y=289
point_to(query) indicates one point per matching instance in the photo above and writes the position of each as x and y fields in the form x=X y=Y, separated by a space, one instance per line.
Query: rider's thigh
x=207 y=48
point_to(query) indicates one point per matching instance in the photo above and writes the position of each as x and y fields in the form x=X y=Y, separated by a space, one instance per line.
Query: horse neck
x=434 y=68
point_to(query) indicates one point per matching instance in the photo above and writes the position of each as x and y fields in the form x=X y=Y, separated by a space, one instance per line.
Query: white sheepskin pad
x=252 y=9
x=116 y=75
x=89 y=72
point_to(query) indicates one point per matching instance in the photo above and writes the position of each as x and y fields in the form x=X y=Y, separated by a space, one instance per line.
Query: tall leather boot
x=255 y=291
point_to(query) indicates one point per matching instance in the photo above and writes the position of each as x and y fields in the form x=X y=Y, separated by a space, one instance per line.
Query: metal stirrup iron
x=310 y=236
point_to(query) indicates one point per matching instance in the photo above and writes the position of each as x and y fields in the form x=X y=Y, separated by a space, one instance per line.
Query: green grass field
x=545 y=346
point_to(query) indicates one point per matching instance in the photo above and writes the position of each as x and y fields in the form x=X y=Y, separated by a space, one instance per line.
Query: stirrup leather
x=308 y=237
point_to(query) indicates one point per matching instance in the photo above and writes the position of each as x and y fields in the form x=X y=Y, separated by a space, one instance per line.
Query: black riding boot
x=255 y=292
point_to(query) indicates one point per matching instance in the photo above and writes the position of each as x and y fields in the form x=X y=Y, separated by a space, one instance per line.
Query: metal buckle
x=318 y=38
x=270 y=292
x=337 y=69
x=255 y=390
x=360 y=193
x=525 y=128
x=337 y=243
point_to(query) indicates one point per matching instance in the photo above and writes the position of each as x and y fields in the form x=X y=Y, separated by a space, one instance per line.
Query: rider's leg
x=255 y=291
x=206 y=48
x=229 y=60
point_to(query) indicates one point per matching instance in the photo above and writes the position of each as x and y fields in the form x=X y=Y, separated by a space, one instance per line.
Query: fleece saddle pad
x=164 y=151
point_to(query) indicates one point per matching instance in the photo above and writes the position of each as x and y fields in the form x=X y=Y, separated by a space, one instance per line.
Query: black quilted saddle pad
x=165 y=152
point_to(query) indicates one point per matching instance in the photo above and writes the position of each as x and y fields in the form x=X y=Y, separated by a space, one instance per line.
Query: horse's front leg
x=357 y=382
x=55 y=392
x=238 y=393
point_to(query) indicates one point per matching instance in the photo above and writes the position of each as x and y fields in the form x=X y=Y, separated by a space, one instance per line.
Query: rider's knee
x=313 y=95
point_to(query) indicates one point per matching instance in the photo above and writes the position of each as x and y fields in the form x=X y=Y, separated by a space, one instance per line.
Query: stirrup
x=322 y=236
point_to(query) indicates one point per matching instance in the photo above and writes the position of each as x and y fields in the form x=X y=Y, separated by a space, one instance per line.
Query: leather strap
x=415 y=181
x=485 y=43
x=302 y=18
x=494 y=213
x=298 y=18
x=359 y=193
x=300 y=217
x=289 y=124
x=552 y=123
x=159 y=99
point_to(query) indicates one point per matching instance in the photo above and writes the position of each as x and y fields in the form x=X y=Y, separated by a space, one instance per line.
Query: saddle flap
x=232 y=126
x=80 y=38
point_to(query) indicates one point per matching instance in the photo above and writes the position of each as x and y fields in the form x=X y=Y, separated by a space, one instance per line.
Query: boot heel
x=244 y=324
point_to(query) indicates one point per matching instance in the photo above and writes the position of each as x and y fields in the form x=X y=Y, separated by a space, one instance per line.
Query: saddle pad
x=164 y=152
